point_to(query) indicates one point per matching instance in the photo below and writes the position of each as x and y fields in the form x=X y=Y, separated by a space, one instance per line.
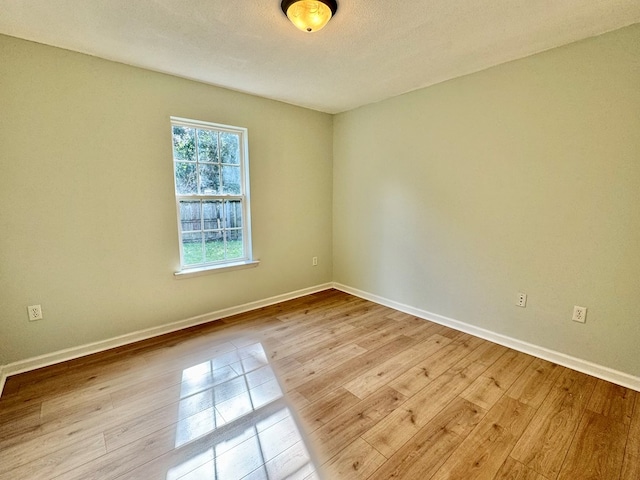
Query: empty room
x=319 y=239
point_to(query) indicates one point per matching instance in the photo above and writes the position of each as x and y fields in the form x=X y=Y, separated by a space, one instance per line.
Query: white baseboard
x=3 y=378
x=100 y=346
x=584 y=366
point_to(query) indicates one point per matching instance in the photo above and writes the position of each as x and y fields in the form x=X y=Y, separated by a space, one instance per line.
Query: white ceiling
x=371 y=49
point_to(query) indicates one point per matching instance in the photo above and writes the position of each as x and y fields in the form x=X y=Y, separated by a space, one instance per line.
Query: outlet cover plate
x=521 y=301
x=579 y=314
x=35 y=312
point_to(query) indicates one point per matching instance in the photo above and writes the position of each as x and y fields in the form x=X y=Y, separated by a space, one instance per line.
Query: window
x=212 y=194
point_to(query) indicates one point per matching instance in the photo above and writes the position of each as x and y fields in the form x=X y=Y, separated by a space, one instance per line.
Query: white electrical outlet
x=579 y=314
x=522 y=300
x=314 y=261
x=35 y=312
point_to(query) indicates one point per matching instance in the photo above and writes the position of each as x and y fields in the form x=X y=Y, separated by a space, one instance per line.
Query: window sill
x=195 y=272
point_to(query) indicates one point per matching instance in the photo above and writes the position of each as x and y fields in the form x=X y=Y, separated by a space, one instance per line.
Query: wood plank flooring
x=324 y=386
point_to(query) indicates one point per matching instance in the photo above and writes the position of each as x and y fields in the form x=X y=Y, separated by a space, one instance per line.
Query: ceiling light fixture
x=309 y=15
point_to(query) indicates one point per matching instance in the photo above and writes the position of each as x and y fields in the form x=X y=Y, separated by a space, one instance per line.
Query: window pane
x=231 y=180
x=235 y=248
x=209 y=179
x=214 y=246
x=184 y=143
x=207 y=146
x=209 y=171
x=212 y=213
x=190 y=216
x=186 y=178
x=233 y=213
x=192 y=248
x=230 y=146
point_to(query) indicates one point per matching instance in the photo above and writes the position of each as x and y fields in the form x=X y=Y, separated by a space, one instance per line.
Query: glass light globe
x=308 y=15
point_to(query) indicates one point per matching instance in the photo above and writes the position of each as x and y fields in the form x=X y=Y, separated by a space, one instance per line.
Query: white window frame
x=247 y=260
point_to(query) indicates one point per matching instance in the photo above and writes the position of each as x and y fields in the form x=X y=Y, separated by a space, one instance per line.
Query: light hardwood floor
x=369 y=393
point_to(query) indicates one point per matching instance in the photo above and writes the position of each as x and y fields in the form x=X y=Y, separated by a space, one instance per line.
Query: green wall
x=452 y=199
x=521 y=178
x=87 y=210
